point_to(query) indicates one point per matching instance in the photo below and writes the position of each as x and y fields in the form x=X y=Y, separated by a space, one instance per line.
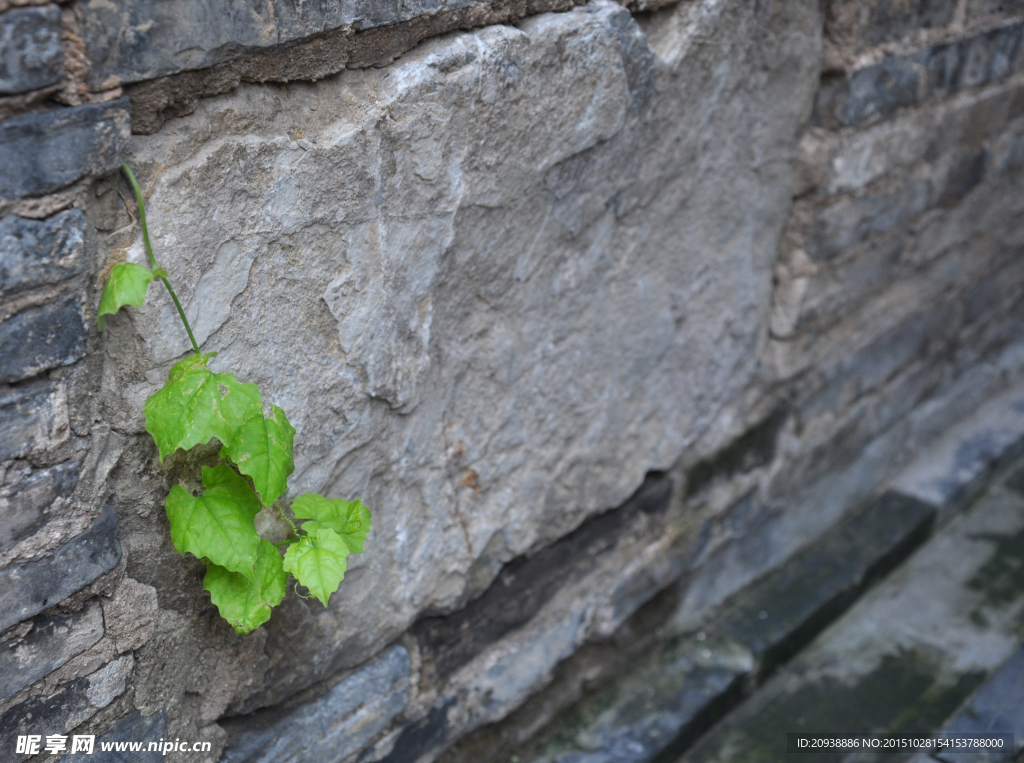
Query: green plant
x=246 y=575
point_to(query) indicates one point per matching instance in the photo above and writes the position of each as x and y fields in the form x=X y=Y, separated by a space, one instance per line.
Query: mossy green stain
x=1000 y=580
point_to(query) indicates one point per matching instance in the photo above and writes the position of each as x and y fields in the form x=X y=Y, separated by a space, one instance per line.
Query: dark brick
x=43 y=152
x=754 y=448
x=134 y=728
x=28 y=588
x=48 y=645
x=30 y=52
x=881 y=89
x=38 y=252
x=33 y=417
x=42 y=338
x=54 y=714
x=24 y=506
x=524 y=585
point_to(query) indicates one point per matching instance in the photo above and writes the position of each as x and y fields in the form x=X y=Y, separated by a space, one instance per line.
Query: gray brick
x=43 y=152
x=38 y=252
x=899 y=81
x=41 y=338
x=50 y=644
x=28 y=588
x=882 y=21
x=33 y=418
x=330 y=728
x=980 y=9
x=25 y=506
x=54 y=714
x=30 y=51
x=134 y=40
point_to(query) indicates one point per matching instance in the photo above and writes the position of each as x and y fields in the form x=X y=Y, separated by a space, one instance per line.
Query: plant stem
x=152 y=259
x=291 y=524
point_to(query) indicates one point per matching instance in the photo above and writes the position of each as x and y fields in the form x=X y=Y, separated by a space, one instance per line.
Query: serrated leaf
x=244 y=603
x=197 y=405
x=262 y=450
x=126 y=285
x=350 y=519
x=318 y=562
x=218 y=525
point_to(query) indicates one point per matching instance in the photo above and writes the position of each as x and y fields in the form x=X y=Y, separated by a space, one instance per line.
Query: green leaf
x=196 y=405
x=318 y=562
x=126 y=285
x=243 y=603
x=262 y=450
x=350 y=519
x=218 y=524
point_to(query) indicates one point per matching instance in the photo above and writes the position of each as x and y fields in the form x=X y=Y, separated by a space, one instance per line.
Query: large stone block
x=25 y=506
x=31 y=56
x=45 y=151
x=331 y=728
x=49 y=644
x=28 y=588
x=37 y=252
x=41 y=338
x=33 y=418
x=505 y=253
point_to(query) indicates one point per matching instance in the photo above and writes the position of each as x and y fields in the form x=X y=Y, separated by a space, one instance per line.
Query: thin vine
x=246 y=575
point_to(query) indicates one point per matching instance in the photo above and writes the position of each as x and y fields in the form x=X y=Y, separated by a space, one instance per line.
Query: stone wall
x=586 y=301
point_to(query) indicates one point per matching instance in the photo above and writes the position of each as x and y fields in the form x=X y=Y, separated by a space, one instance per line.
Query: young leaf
x=243 y=603
x=318 y=562
x=218 y=524
x=262 y=450
x=196 y=405
x=350 y=519
x=126 y=285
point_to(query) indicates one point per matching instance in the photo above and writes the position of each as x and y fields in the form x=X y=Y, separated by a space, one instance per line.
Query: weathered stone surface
x=41 y=338
x=37 y=252
x=481 y=261
x=331 y=728
x=31 y=56
x=667 y=700
x=997 y=708
x=33 y=418
x=881 y=89
x=43 y=152
x=907 y=655
x=30 y=587
x=135 y=728
x=25 y=505
x=49 y=644
x=955 y=465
